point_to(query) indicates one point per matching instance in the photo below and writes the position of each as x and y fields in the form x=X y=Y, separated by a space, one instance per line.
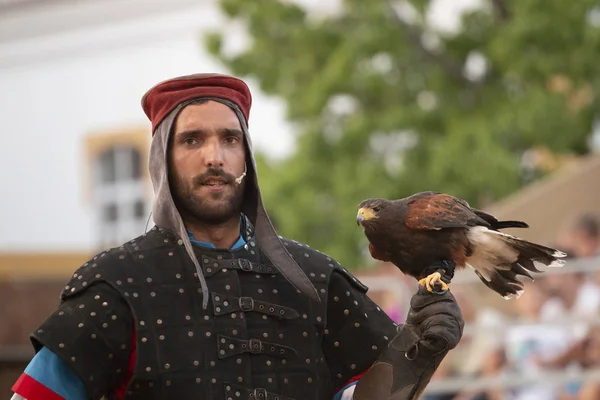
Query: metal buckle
x=260 y=393
x=244 y=265
x=246 y=303
x=255 y=346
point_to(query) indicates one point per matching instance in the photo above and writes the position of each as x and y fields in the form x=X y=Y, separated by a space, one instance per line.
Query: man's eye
x=232 y=140
x=190 y=141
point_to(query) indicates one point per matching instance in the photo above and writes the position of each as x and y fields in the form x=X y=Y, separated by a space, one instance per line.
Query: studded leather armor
x=260 y=338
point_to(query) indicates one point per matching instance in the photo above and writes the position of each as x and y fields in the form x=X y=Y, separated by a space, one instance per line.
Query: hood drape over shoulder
x=162 y=104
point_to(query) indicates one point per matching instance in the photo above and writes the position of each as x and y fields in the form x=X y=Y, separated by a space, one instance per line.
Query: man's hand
x=433 y=327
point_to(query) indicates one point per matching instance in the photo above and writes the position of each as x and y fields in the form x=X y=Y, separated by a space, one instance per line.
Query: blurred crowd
x=549 y=331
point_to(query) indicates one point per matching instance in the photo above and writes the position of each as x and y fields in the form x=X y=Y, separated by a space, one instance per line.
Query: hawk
x=429 y=234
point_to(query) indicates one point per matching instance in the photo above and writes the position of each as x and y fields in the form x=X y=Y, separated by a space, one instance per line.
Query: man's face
x=206 y=154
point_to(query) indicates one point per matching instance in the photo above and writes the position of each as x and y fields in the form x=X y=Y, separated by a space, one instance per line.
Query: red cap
x=163 y=98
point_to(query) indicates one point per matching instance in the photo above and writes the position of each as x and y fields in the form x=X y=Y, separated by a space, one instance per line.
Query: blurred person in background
x=587 y=354
x=494 y=365
x=284 y=321
x=395 y=300
x=530 y=342
x=582 y=238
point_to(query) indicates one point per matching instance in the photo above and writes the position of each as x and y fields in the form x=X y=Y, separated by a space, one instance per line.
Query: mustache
x=212 y=173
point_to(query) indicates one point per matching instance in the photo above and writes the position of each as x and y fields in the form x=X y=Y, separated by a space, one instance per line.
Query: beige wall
x=547 y=206
x=40 y=266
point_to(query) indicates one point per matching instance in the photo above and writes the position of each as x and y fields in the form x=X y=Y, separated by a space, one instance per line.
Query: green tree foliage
x=387 y=105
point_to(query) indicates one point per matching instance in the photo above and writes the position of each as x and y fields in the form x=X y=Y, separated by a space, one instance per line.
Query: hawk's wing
x=435 y=211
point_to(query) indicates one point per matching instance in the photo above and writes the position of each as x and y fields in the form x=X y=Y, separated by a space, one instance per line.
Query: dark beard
x=203 y=209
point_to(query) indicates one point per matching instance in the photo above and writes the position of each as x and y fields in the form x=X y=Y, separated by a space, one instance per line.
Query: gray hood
x=166 y=215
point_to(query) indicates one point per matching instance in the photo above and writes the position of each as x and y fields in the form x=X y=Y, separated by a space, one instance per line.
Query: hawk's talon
x=430 y=282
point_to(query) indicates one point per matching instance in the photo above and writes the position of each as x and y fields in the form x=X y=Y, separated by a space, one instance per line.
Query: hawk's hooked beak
x=365 y=214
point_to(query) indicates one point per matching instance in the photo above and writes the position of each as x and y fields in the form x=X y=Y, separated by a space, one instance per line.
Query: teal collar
x=240 y=242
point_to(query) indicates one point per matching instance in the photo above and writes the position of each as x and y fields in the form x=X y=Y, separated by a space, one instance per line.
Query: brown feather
x=435 y=211
x=376 y=255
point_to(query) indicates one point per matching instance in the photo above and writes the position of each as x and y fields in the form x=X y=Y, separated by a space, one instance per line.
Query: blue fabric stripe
x=339 y=394
x=51 y=371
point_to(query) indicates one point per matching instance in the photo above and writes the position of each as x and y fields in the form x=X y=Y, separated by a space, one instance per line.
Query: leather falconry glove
x=433 y=327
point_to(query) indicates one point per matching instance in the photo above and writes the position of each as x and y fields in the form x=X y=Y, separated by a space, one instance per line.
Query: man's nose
x=214 y=154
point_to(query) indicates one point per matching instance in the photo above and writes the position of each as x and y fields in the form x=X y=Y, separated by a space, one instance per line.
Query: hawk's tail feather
x=503 y=282
x=509 y=224
x=499 y=258
x=495 y=224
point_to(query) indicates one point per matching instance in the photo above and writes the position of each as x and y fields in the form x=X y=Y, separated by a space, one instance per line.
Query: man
x=212 y=303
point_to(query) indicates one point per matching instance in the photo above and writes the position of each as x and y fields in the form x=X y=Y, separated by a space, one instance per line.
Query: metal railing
x=510 y=381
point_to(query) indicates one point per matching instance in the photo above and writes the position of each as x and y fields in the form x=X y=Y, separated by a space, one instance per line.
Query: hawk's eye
x=376 y=208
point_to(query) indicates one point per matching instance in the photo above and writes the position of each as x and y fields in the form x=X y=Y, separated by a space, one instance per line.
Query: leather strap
x=224 y=304
x=229 y=347
x=233 y=391
x=211 y=266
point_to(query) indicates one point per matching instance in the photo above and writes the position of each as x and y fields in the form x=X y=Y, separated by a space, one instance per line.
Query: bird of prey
x=429 y=234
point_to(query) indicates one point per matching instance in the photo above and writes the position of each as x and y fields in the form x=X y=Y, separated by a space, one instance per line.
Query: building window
x=119 y=195
x=110 y=213
x=139 y=209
